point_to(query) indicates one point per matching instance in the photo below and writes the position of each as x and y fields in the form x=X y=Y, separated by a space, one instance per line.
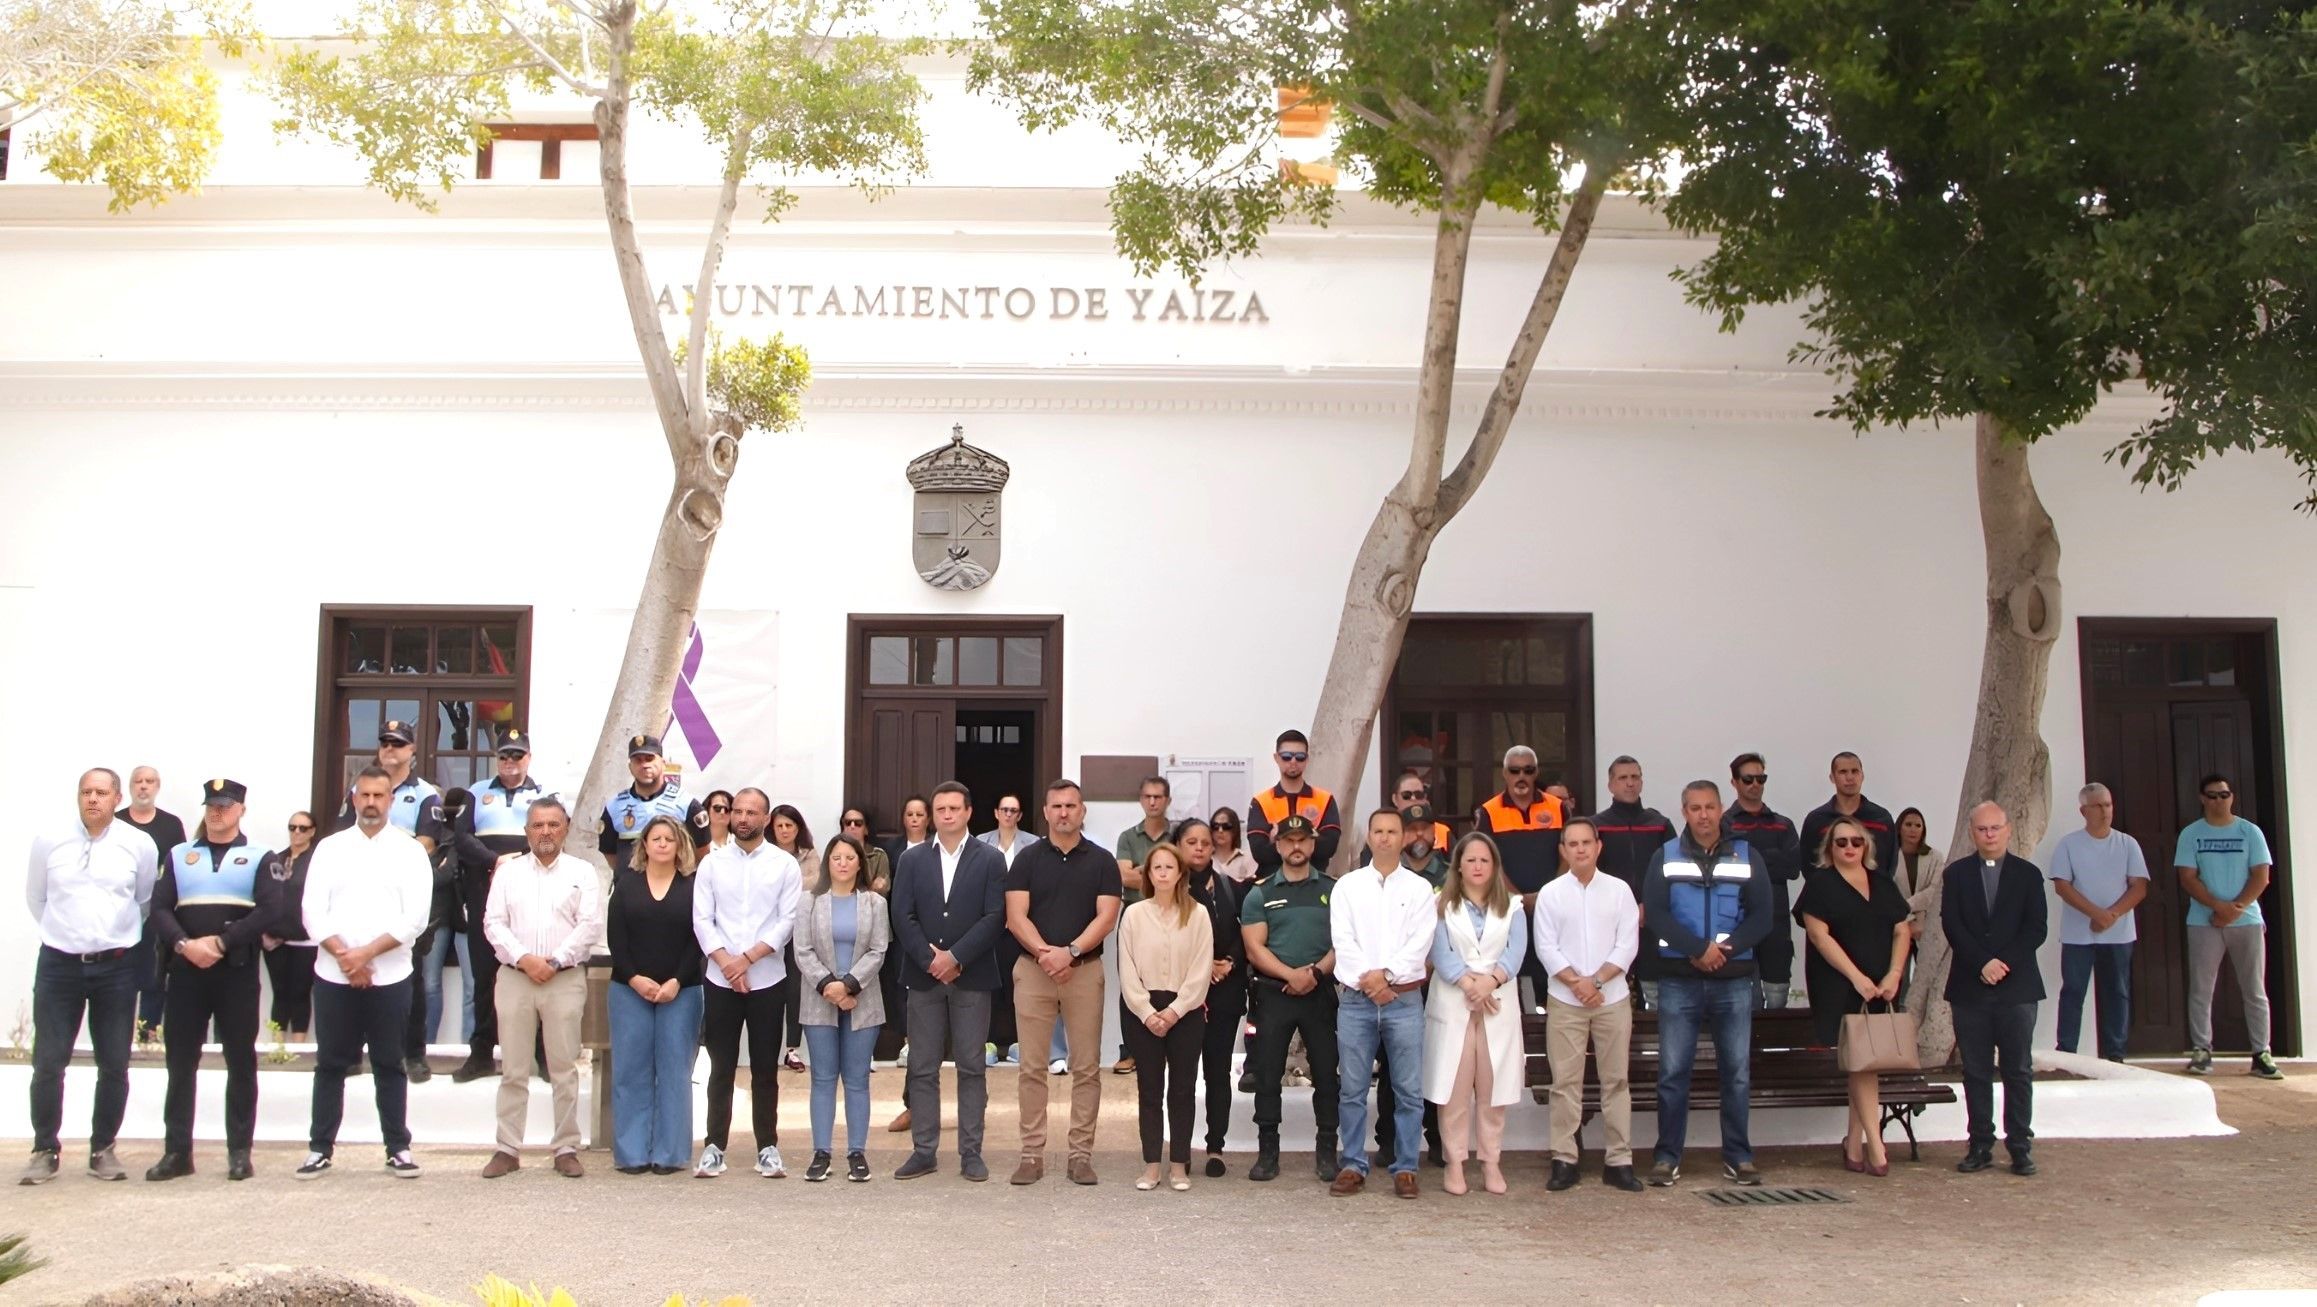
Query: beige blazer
x=816 y=952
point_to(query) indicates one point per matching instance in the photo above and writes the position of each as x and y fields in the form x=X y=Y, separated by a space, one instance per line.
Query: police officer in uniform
x=655 y=794
x=1290 y=949
x=487 y=827
x=217 y=897
x=416 y=807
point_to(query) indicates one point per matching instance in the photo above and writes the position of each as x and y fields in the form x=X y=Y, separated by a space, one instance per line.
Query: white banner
x=720 y=728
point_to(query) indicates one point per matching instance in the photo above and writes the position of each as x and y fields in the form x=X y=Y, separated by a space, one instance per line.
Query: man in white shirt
x=1587 y=933
x=2100 y=875
x=368 y=892
x=1381 y=918
x=89 y=889
x=744 y=901
x=542 y=917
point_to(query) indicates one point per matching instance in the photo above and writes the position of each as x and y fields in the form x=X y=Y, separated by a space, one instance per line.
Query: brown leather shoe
x=567 y=1165
x=1403 y=1184
x=1031 y=1171
x=899 y=1124
x=502 y=1163
x=1082 y=1171
x=1347 y=1183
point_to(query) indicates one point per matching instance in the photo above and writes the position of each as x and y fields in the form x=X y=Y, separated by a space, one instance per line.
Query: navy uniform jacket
x=967 y=922
x=625 y=817
x=245 y=898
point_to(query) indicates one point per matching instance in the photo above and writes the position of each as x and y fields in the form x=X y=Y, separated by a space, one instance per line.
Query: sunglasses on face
x=1520 y=771
x=1009 y=812
x=1756 y=779
x=855 y=821
x=2220 y=794
x=719 y=807
x=300 y=827
x=1849 y=842
x=1294 y=757
x=1409 y=794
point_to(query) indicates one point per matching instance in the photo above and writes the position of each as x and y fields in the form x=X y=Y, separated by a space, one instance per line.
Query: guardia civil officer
x=217 y=896
x=414 y=808
x=655 y=794
x=1284 y=924
x=486 y=830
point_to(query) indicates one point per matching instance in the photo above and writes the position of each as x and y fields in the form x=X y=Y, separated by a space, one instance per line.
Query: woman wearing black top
x=289 y=956
x=654 y=1003
x=1857 y=921
x=1227 y=984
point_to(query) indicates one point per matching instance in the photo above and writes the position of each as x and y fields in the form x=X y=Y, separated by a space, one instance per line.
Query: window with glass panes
x=1467 y=689
x=460 y=675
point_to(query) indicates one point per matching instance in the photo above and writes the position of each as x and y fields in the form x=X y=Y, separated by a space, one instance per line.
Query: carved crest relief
x=959 y=491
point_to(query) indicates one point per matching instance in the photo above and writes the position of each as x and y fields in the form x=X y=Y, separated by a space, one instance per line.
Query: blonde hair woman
x=654 y=1002
x=1472 y=1032
x=1166 y=958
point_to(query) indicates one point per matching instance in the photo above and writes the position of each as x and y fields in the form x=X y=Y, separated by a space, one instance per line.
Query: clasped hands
x=654 y=991
x=839 y=997
x=1870 y=990
x=205 y=951
x=1479 y=990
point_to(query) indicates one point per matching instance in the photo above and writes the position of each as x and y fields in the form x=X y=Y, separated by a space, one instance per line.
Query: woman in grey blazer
x=842 y=932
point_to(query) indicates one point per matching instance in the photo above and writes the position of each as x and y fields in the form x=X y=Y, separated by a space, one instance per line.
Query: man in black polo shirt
x=1631 y=834
x=1062 y=900
x=1849 y=777
x=163 y=828
x=1284 y=922
x=1772 y=836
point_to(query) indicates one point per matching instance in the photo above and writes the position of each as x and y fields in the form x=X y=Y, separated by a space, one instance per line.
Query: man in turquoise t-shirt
x=2223 y=863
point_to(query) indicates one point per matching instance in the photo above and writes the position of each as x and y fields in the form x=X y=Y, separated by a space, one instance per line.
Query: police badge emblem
x=959 y=489
x=192 y=856
x=627 y=821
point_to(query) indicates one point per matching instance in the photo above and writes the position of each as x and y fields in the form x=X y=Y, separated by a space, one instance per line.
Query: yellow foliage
x=498 y=1292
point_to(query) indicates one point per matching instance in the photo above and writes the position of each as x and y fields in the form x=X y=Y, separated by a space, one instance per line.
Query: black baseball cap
x=221 y=790
x=399 y=731
x=514 y=743
x=1295 y=826
x=643 y=745
x=1418 y=814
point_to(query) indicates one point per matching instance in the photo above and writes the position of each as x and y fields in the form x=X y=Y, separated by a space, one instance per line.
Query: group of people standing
x=724 y=922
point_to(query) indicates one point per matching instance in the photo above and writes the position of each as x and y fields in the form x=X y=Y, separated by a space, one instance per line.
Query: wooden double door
x=2165 y=704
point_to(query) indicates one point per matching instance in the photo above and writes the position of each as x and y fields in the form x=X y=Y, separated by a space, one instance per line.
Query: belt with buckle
x=101 y=955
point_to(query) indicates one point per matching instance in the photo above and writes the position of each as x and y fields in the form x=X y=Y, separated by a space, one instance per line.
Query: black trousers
x=291 y=969
x=415 y=1035
x=1774 y=957
x=346 y=1020
x=476 y=889
x=792 y=1030
x=1993 y=1039
x=761 y=1012
x=1226 y=1007
x=227 y=994
x=1388 y=1133
x=1279 y=1017
x=1166 y=1071
x=895 y=1032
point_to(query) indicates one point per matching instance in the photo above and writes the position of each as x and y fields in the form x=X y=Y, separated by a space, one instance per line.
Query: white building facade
x=283 y=458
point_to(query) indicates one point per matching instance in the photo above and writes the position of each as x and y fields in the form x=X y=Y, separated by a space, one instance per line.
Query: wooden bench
x=1789 y=1069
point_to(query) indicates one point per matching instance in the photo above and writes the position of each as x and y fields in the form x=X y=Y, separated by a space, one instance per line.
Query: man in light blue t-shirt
x=2101 y=876
x=2223 y=862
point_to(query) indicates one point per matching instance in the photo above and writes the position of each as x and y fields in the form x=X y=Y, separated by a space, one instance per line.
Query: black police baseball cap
x=643 y=745
x=221 y=790
x=397 y=731
x=513 y=743
x=1295 y=825
x=1417 y=814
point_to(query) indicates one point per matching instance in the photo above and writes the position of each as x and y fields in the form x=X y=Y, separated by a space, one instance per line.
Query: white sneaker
x=768 y=1164
x=315 y=1167
x=1058 y=1066
x=711 y=1163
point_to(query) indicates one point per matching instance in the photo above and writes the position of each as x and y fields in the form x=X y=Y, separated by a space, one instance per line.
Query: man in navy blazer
x=1996 y=919
x=949 y=908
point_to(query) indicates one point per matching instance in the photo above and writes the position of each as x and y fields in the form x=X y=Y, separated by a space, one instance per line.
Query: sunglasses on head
x=1849 y=842
x=1293 y=756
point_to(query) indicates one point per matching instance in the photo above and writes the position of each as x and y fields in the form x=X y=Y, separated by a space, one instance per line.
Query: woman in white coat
x=1919 y=875
x=1472 y=1016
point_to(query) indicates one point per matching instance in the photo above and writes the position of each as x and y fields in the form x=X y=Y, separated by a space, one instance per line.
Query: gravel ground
x=2106 y=1222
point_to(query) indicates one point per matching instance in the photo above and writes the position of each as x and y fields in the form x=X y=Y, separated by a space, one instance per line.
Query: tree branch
x=611 y=122
x=1496 y=419
x=704 y=290
x=1436 y=375
x=552 y=64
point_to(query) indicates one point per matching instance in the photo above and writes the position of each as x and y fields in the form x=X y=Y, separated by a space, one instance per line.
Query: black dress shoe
x=1215 y=1167
x=1978 y=1159
x=1621 y=1177
x=1266 y=1165
x=2022 y=1164
x=237 y=1165
x=170 y=1167
x=472 y=1069
x=417 y=1070
x=915 y=1165
x=1324 y=1160
x=1564 y=1176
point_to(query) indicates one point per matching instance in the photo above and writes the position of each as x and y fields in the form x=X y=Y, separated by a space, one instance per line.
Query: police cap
x=1294 y=826
x=221 y=790
x=397 y=731
x=643 y=746
x=1418 y=814
x=513 y=743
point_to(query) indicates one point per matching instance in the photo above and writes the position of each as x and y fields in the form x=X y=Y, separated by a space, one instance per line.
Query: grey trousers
x=953 y=1023
x=2247 y=950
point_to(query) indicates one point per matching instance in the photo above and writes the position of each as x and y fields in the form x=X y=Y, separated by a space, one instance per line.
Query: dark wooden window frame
x=550 y=136
x=1580 y=781
x=328 y=680
x=860 y=626
x=2269 y=718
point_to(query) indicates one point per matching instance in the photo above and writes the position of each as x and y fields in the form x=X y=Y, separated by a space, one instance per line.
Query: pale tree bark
x=1382 y=589
x=703 y=446
x=2009 y=763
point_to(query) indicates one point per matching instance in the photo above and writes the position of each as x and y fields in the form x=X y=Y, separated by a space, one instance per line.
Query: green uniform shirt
x=1435 y=870
x=1135 y=847
x=1296 y=912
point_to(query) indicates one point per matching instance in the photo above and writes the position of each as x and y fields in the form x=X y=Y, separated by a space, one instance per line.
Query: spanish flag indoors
x=500 y=712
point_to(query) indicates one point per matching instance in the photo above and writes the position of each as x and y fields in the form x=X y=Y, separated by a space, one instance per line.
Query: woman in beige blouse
x=1918 y=875
x=1166 y=953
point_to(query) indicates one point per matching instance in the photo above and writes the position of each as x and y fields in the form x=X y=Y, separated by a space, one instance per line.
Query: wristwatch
x=1074 y=951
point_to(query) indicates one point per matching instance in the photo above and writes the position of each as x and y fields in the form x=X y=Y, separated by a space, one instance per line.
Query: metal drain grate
x=1771 y=1197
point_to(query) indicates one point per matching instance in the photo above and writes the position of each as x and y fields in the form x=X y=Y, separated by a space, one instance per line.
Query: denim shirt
x=1448 y=962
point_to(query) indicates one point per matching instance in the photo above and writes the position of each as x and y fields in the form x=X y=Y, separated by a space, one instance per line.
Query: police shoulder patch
x=192 y=856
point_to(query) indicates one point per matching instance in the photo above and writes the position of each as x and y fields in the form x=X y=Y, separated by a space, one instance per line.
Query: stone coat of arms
x=955 y=542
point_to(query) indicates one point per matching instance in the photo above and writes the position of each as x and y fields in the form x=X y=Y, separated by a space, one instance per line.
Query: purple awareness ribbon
x=686 y=706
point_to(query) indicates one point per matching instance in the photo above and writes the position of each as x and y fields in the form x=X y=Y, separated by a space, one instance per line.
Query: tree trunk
x=2009 y=763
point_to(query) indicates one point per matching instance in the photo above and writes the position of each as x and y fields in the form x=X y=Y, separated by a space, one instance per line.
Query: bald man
x=1994 y=912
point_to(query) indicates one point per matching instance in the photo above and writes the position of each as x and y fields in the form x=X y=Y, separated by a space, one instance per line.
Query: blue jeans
x=2111 y=964
x=445 y=939
x=1060 y=1043
x=1684 y=1004
x=652 y=1047
x=1399 y=1027
x=63 y=987
x=842 y=1049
